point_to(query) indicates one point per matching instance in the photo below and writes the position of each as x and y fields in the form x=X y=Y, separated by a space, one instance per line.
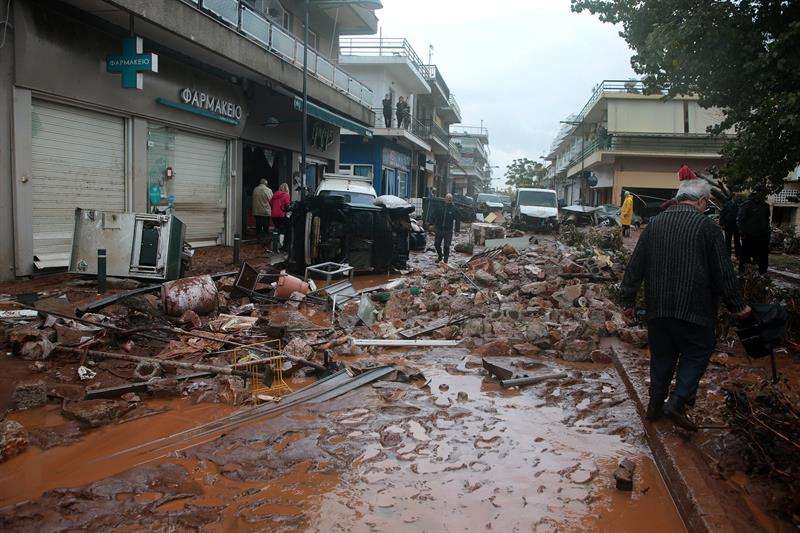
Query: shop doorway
x=260 y=162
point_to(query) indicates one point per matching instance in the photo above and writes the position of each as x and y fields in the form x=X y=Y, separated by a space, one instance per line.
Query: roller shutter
x=77 y=160
x=200 y=182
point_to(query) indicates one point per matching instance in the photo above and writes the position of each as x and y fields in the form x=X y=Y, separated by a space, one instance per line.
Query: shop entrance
x=260 y=162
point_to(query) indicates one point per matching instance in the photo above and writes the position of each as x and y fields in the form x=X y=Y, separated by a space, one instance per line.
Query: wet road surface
x=391 y=456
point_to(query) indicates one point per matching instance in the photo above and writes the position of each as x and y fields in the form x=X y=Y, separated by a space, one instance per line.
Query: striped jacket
x=686 y=269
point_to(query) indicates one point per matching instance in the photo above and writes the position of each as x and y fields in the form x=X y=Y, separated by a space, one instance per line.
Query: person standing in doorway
x=262 y=210
x=387 y=110
x=754 y=229
x=686 y=271
x=626 y=214
x=280 y=203
x=445 y=222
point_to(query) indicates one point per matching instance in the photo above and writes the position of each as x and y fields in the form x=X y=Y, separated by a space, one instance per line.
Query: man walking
x=262 y=195
x=754 y=229
x=387 y=110
x=445 y=222
x=682 y=261
x=727 y=219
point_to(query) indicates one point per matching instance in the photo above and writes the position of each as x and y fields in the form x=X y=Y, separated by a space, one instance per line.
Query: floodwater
x=460 y=454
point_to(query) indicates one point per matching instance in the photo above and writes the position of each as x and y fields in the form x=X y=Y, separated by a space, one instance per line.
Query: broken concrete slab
x=29 y=394
x=13 y=439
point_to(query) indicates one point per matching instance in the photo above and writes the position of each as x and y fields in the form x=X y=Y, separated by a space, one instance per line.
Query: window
x=402 y=184
x=313 y=40
x=286 y=21
x=357 y=170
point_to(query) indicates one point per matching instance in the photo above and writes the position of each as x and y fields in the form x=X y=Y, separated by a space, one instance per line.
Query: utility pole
x=304 y=140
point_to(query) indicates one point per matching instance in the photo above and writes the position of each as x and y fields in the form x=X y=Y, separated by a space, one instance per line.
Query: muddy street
x=458 y=454
x=439 y=445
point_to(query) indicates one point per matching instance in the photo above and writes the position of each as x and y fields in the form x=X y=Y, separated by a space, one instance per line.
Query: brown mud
x=391 y=456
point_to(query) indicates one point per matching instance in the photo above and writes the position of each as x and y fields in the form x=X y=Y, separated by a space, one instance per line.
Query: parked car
x=536 y=209
x=490 y=202
x=608 y=215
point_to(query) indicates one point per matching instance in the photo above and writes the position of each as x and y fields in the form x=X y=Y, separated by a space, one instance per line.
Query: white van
x=355 y=189
x=536 y=209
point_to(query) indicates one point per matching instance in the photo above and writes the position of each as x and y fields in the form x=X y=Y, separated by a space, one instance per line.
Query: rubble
x=95 y=413
x=13 y=439
x=29 y=394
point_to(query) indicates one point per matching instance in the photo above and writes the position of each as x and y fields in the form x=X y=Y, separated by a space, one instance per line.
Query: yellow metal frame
x=256 y=369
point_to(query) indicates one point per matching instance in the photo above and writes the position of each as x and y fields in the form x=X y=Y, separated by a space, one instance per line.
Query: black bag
x=765 y=330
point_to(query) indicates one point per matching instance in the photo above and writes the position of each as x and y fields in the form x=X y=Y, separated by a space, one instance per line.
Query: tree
x=742 y=56
x=524 y=173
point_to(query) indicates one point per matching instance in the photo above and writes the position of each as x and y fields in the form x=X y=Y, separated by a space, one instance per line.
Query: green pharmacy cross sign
x=132 y=63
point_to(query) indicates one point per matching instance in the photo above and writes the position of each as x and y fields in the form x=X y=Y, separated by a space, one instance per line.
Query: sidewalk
x=705 y=501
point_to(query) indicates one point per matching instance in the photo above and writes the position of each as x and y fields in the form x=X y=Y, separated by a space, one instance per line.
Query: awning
x=332 y=118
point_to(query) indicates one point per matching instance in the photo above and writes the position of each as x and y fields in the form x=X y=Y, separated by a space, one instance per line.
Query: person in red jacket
x=279 y=203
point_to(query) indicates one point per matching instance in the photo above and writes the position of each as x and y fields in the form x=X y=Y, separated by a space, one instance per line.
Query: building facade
x=470 y=171
x=394 y=71
x=437 y=111
x=624 y=139
x=407 y=154
x=113 y=105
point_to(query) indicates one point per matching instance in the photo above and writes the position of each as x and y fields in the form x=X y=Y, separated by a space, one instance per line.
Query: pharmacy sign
x=132 y=63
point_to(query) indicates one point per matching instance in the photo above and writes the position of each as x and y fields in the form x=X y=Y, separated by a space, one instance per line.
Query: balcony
x=275 y=40
x=613 y=86
x=440 y=139
x=477 y=132
x=439 y=88
x=414 y=132
x=687 y=145
x=396 y=55
x=455 y=150
x=452 y=111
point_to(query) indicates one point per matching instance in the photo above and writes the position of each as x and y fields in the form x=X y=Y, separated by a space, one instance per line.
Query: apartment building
x=625 y=139
x=470 y=172
x=105 y=101
x=437 y=111
x=396 y=153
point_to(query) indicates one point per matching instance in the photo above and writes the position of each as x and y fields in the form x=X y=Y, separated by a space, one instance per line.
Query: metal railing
x=435 y=131
x=274 y=39
x=411 y=124
x=381 y=47
x=678 y=144
x=473 y=131
x=433 y=76
x=613 y=86
x=453 y=104
x=455 y=151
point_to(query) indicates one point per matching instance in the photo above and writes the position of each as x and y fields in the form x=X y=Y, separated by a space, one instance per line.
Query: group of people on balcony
x=403 y=112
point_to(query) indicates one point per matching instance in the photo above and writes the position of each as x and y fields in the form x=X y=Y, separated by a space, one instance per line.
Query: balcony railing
x=453 y=104
x=274 y=39
x=436 y=132
x=435 y=77
x=381 y=47
x=455 y=151
x=412 y=124
x=613 y=86
x=682 y=144
x=469 y=131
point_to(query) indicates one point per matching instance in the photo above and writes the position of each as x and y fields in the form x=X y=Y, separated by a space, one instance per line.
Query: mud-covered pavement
x=452 y=451
x=458 y=454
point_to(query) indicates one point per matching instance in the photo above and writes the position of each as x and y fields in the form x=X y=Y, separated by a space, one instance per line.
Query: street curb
x=705 y=502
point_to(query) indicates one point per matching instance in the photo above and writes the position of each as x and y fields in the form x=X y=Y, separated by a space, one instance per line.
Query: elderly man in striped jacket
x=686 y=270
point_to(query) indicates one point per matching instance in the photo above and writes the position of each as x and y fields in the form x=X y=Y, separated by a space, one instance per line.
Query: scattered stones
x=29 y=394
x=465 y=248
x=462 y=396
x=484 y=278
x=13 y=439
x=497 y=348
x=94 y=413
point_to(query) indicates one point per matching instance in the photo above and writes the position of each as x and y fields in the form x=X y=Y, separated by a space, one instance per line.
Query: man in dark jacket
x=681 y=259
x=727 y=219
x=387 y=110
x=753 y=223
x=445 y=221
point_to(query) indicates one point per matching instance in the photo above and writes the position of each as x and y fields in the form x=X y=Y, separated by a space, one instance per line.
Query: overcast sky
x=521 y=66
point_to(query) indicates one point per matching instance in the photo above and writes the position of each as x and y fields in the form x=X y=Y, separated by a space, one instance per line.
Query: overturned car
x=370 y=238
